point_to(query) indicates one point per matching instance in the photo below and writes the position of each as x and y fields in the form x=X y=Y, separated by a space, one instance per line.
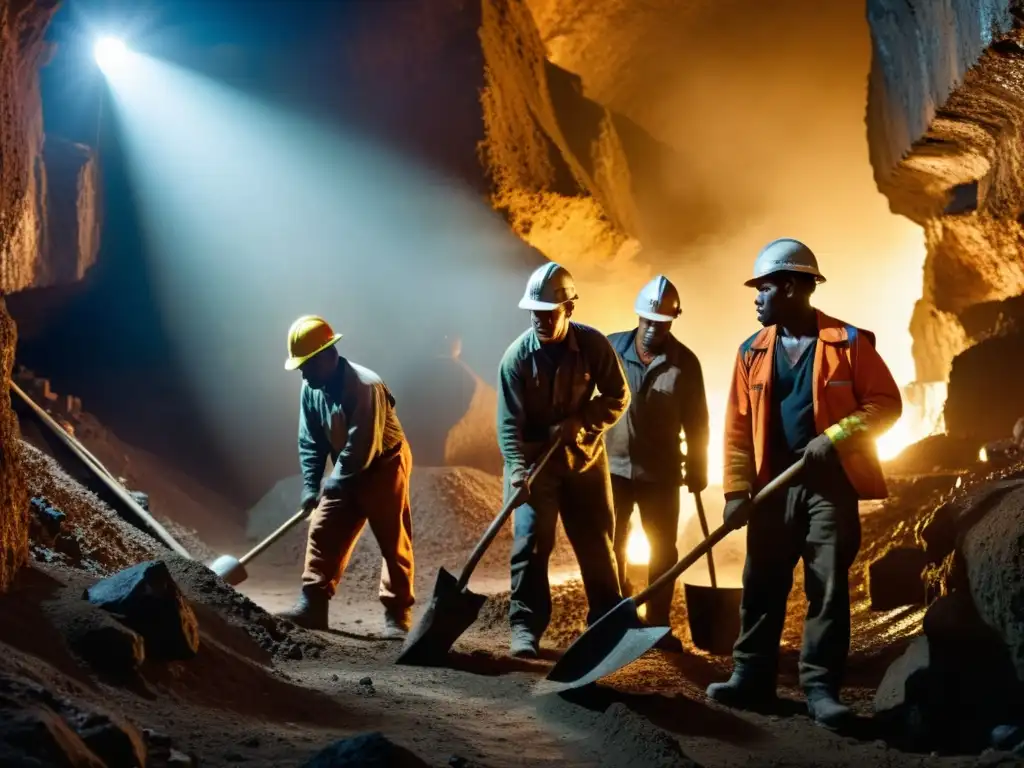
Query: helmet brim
x=657 y=318
x=818 y=277
x=294 y=362
x=533 y=304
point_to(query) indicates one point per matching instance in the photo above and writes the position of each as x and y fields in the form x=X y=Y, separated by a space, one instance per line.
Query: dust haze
x=255 y=216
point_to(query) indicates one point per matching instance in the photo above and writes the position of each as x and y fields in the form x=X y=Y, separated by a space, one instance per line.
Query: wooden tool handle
x=286 y=526
x=706 y=532
x=492 y=531
x=143 y=519
x=714 y=537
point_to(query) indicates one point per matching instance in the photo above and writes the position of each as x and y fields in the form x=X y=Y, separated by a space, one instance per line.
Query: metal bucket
x=713 y=614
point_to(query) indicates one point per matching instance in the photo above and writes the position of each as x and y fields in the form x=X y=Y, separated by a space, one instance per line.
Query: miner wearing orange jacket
x=806 y=384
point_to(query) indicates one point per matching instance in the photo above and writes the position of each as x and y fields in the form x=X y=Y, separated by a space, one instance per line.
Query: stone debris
x=146 y=598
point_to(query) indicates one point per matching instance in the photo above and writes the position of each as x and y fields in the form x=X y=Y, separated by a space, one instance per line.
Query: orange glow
x=638 y=549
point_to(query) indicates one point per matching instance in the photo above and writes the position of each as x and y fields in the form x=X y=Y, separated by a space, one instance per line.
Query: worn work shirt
x=667 y=399
x=352 y=420
x=537 y=389
x=792 y=407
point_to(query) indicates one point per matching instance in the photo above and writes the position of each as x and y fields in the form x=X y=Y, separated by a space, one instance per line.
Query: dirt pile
x=232 y=671
x=91 y=536
x=192 y=513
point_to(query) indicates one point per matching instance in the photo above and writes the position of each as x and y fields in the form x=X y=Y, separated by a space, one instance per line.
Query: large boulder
x=146 y=598
x=993 y=556
x=953 y=686
x=895 y=578
x=367 y=750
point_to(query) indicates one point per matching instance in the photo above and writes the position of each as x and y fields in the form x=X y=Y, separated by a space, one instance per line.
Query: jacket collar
x=533 y=343
x=830 y=331
x=669 y=353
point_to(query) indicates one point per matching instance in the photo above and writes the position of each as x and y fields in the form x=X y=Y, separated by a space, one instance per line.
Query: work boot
x=825 y=709
x=745 y=691
x=309 y=611
x=524 y=644
x=396 y=626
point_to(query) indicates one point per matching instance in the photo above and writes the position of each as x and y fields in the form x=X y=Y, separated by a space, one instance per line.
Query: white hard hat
x=785 y=255
x=658 y=300
x=548 y=288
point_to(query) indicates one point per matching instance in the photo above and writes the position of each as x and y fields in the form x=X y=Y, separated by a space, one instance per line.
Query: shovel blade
x=230 y=569
x=450 y=613
x=616 y=639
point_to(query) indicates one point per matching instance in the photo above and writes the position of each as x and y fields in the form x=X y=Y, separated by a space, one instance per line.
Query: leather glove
x=309 y=501
x=334 y=487
x=737 y=512
x=695 y=483
x=517 y=480
x=819 y=449
x=568 y=431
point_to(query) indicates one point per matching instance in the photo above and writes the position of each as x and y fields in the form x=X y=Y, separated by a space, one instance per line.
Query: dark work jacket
x=667 y=400
x=588 y=382
x=352 y=421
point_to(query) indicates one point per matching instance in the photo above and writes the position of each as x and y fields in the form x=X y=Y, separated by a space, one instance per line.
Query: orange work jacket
x=854 y=392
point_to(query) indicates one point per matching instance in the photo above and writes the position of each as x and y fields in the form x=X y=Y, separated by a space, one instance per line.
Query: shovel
x=453 y=608
x=619 y=637
x=116 y=494
x=713 y=613
x=232 y=569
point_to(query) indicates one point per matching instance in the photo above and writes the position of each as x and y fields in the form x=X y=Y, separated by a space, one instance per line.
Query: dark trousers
x=659 y=513
x=584 y=500
x=815 y=520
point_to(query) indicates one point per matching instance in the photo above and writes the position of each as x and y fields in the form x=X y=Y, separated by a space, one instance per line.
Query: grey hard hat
x=548 y=288
x=785 y=255
x=658 y=300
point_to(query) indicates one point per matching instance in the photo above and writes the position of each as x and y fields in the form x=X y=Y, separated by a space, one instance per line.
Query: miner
x=347 y=413
x=560 y=380
x=667 y=399
x=806 y=384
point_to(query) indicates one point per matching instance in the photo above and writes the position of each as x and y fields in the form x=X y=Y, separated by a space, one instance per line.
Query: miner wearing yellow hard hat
x=348 y=414
x=806 y=385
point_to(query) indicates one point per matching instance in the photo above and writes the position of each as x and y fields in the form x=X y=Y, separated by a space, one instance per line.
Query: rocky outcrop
x=21 y=50
x=72 y=234
x=935 y=125
x=945 y=126
x=578 y=180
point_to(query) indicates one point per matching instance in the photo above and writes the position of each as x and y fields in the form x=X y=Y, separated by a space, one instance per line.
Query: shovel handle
x=706 y=531
x=714 y=537
x=286 y=526
x=499 y=521
x=143 y=520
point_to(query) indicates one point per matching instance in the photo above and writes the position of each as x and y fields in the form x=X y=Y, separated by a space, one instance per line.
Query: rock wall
x=22 y=182
x=578 y=180
x=946 y=126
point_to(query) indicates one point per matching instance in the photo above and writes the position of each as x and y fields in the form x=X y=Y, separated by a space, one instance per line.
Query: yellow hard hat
x=308 y=336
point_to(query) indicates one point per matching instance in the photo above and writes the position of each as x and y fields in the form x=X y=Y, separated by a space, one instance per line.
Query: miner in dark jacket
x=644 y=453
x=560 y=380
x=347 y=413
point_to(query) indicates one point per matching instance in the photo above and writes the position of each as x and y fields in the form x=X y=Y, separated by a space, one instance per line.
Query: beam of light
x=111 y=54
x=254 y=216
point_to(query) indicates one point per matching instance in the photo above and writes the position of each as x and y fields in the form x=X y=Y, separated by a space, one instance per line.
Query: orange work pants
x=380 y=496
